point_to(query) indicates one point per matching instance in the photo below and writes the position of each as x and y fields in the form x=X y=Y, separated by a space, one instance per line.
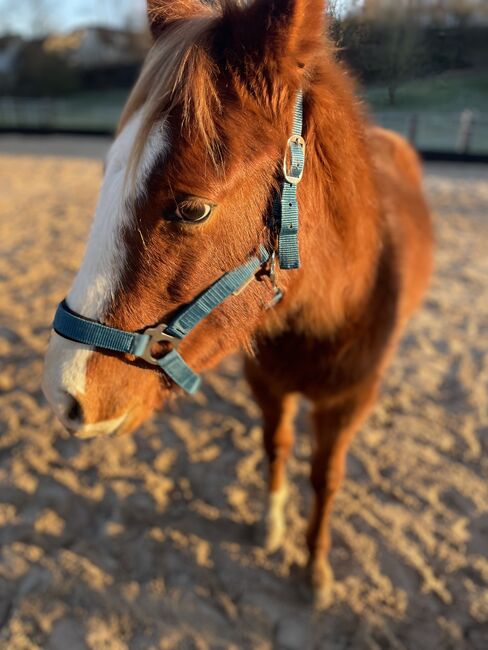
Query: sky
x=31 y=17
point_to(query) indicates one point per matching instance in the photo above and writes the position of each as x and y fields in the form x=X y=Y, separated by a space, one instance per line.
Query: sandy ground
x=152 y=540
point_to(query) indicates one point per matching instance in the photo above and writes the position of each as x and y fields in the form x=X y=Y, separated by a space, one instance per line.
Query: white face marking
x=104 y=259
x=100 y=272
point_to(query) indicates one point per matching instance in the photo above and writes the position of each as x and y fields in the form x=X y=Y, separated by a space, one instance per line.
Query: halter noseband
x=77 y=328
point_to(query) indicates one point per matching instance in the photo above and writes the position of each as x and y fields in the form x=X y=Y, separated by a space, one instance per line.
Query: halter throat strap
x=82 y=330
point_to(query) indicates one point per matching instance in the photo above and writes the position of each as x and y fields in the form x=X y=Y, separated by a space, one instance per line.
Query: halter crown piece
x=77 y=328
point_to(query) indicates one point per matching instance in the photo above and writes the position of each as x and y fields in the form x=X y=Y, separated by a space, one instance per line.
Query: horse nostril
x=74 y=412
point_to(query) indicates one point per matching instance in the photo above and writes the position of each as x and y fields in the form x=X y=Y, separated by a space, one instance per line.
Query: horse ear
x=164 y=12
x=278 y=28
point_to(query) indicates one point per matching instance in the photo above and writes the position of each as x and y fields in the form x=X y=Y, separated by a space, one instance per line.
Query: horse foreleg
x=335 y=424
x=278 y=414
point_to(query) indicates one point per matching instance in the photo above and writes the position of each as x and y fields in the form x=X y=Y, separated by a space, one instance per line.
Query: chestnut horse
x=188 y=196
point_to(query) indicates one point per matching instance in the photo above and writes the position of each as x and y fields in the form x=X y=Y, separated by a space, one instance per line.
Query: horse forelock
x=178 y=71
x=193 y=64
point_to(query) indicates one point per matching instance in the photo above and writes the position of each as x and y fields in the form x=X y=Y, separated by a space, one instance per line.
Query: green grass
x=447 y=93
x=438 y=103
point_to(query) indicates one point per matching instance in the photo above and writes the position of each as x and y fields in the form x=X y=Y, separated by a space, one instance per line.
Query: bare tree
x=339 y=8
x=400 y=53
x=449 y=12
x=34 y=15
x=38 y=16
x=135 y=15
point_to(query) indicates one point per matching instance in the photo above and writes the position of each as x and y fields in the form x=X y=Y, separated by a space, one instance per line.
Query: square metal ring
x=157 y=335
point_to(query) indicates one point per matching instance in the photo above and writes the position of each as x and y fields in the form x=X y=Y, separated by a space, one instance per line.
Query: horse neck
x=339 y=212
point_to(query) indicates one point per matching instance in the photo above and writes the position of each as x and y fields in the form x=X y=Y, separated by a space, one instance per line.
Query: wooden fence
x=463 y=133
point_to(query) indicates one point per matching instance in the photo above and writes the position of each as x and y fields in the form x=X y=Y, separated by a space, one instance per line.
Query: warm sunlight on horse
x=197 y=228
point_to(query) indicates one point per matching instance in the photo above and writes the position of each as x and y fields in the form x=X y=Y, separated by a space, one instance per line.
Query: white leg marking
x=275 y=519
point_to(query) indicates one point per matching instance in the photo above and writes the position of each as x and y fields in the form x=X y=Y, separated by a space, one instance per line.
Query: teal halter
x=77 y=328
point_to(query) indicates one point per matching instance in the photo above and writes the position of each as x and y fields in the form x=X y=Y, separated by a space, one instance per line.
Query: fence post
x=412 y=128
x=466 y=124
x=15 y=112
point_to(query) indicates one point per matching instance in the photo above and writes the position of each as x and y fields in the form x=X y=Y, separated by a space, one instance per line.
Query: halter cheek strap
x=77 y=328
x=287 y=205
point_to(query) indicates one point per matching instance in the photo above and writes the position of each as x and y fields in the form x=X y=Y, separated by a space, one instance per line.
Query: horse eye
x=194 y=212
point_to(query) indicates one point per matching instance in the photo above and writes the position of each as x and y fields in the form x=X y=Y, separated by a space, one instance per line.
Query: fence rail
x=59 y=115
x=463 y=133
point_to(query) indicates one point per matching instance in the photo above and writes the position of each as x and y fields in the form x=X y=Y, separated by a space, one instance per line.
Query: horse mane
x=177 y=71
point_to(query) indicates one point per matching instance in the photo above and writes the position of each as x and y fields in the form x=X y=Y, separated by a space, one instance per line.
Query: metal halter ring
x=157 y=335
x=297 y=140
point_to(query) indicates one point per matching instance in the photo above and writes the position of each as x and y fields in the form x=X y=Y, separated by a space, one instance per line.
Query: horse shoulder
x=407 y=219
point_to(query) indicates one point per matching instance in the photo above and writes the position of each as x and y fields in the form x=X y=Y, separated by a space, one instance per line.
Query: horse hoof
x=322 y=582
x=323 y=597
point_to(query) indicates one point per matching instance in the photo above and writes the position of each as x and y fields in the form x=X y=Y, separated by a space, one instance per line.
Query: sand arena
x=152 y=540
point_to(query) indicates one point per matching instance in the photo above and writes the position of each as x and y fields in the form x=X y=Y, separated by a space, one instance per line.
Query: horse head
x=187 y=196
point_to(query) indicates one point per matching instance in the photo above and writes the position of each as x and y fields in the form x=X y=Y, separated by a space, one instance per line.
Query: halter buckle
x=289 y=170
x=157 y=335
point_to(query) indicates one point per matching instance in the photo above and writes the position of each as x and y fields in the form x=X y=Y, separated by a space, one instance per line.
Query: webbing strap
x=288 y=252
x=180 y=372
x=189 y=316
x=297 y=127
x=82 y=330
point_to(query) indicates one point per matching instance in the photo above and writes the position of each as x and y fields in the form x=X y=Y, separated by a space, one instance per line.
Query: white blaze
x=101 y=270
